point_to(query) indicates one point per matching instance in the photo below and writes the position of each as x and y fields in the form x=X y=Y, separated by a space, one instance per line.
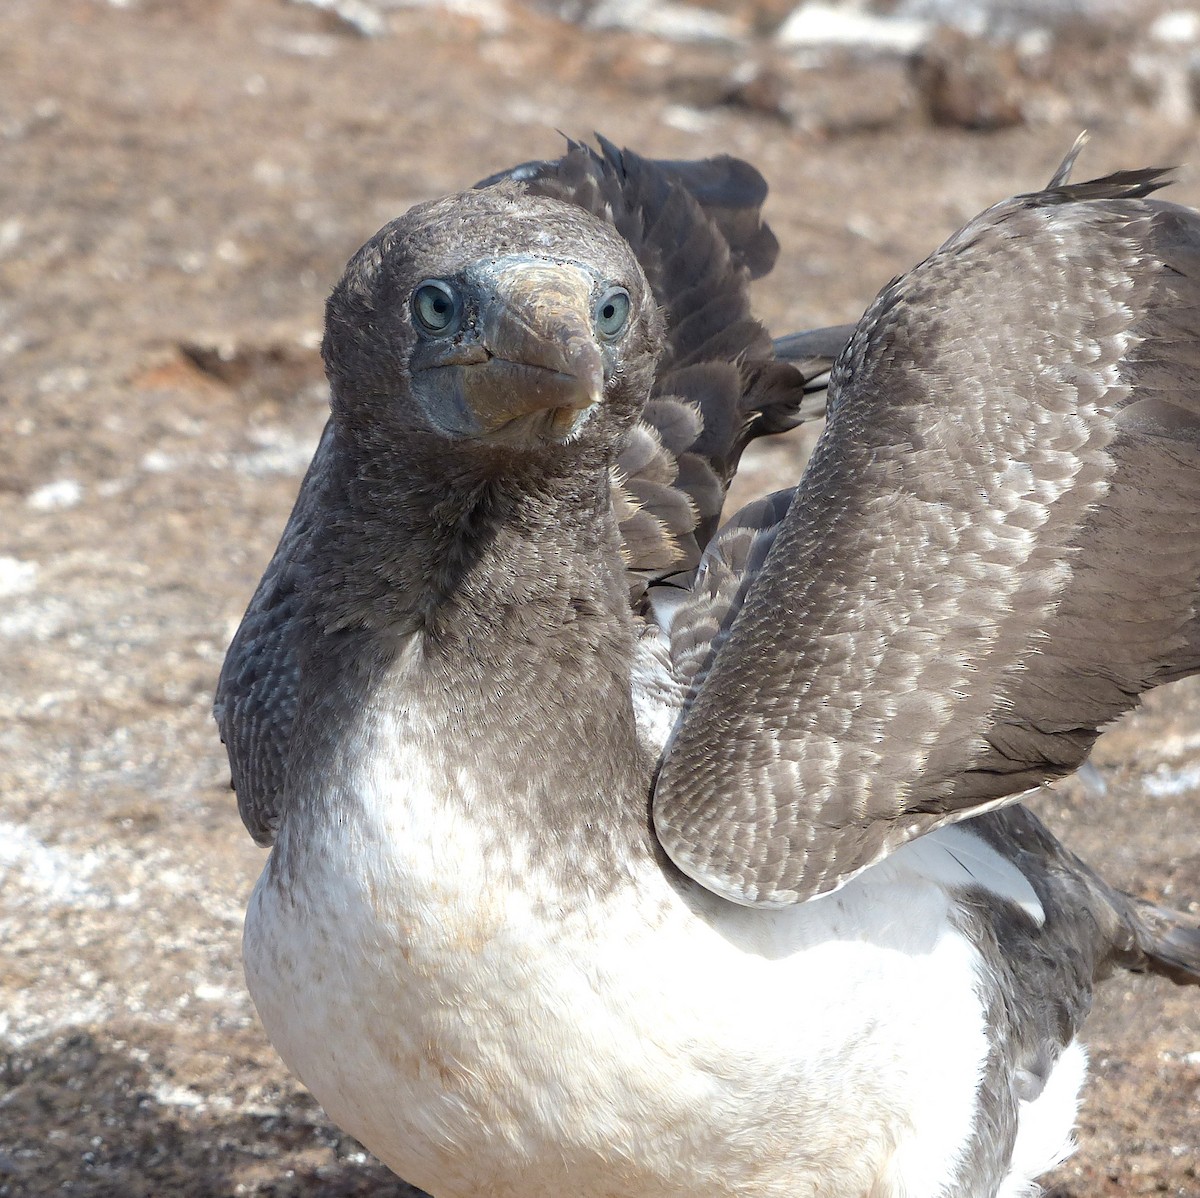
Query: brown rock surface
x=180 y=183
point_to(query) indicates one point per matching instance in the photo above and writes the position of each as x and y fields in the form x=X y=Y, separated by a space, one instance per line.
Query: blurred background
x=181 y=182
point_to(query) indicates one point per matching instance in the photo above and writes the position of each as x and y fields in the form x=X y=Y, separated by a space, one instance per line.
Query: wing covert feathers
x=994 y=550
x=733 y=559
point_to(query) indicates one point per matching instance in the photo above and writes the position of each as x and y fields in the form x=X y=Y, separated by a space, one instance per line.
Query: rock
x=277 y=370
x=762 y=88
x=662 y=18
x=845 y=98
x=820 y=25
x=354 y=16
x=970 y=83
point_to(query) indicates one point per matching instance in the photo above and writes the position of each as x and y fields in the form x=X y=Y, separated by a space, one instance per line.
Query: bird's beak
x=533 y=354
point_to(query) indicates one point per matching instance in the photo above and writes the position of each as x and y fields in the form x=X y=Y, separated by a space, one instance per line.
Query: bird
x=622 y=853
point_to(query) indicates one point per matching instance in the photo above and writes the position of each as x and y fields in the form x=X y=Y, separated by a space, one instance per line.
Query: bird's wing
x=994 y=550
x=729 y=191
x=256 y=694
x=697 y=230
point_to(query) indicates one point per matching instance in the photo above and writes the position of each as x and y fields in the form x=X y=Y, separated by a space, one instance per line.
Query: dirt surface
x=180 y=184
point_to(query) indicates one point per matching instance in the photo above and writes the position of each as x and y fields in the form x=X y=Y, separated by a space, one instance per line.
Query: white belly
x=486 y=1033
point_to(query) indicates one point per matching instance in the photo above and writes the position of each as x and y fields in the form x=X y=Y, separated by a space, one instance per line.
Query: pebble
x=58 y=496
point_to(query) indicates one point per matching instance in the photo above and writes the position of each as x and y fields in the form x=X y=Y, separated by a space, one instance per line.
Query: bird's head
x=496 y=320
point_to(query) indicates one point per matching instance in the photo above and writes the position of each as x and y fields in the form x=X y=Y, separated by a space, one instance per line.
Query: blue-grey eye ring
x=612 y=313
x=437 y=307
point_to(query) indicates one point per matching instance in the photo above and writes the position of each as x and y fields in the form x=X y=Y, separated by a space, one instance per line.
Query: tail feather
x=1165 y=942
x=1091 y=926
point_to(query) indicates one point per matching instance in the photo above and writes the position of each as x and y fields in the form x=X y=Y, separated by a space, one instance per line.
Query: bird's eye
x=436 y=306
x=612 y=313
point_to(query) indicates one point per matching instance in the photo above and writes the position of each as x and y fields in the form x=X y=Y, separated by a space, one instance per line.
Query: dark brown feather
x=732 y=561
x=697 y=231
x=260 y=678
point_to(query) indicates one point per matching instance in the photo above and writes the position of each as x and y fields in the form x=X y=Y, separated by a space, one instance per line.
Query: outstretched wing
x=994 y=550
x=729 y=191
x=698 y=233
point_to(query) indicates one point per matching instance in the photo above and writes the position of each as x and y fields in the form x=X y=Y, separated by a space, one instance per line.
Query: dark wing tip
x=730 y=191
x=698 y=231
x=1120 y=185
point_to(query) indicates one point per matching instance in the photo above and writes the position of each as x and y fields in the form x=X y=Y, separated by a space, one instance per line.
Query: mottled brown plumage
x=499 y=649
x=993 y=552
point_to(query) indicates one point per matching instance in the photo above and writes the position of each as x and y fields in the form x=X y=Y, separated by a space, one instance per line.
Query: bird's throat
x=496 y=617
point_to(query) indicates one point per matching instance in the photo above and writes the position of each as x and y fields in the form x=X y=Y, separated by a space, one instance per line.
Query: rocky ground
x=180 y=183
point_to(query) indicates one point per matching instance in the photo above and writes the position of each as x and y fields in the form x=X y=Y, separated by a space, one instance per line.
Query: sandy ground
x=180 y=184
